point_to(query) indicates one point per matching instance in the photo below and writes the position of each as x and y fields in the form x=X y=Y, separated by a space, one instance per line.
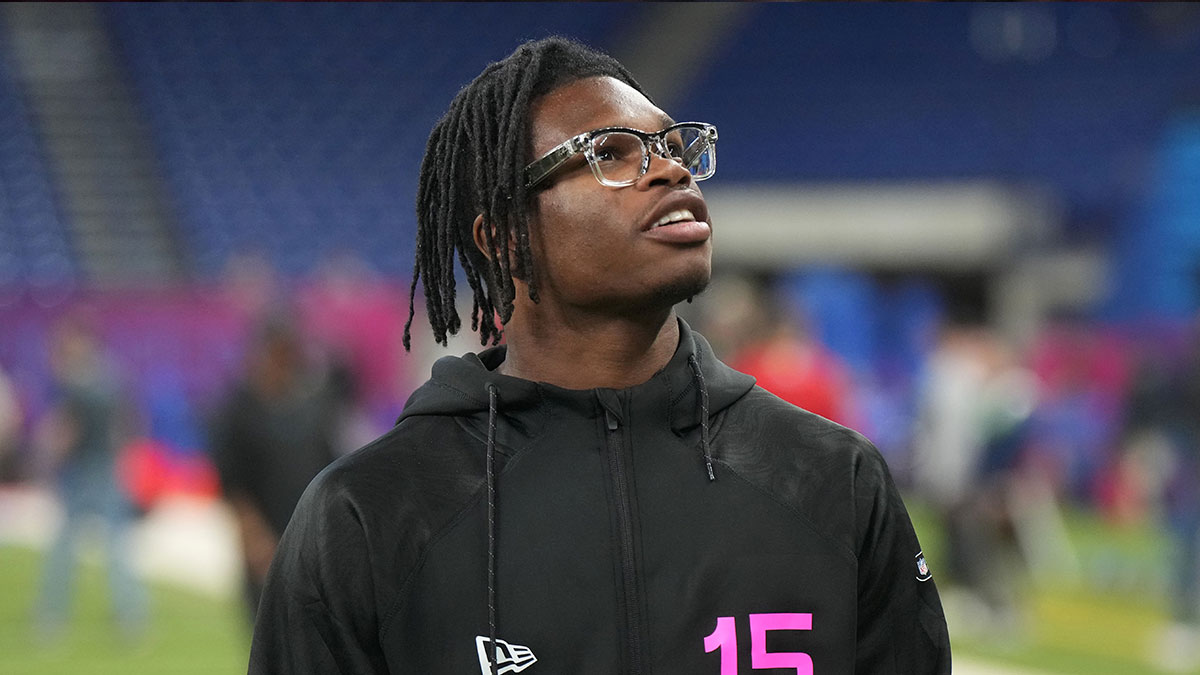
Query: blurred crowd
x=995 y=440
x=234 y=396
x=1001 y=440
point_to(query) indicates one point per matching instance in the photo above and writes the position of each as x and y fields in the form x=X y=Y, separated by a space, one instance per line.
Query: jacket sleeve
x=318 y=611
x=901 y=628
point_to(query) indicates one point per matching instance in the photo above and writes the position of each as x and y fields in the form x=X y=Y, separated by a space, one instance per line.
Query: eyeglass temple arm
x=537 y=172
x=709 y=136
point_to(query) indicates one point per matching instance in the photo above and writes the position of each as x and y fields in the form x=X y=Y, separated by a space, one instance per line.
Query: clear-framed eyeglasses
x=619 y=156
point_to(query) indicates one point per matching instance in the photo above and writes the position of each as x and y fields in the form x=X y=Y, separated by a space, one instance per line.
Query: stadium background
x=178 y=170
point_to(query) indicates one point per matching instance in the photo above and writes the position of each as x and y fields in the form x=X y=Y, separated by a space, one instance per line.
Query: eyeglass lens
x=621 y=156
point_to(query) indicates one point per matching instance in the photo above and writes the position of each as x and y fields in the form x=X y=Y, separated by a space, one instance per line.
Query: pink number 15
x=725 y=639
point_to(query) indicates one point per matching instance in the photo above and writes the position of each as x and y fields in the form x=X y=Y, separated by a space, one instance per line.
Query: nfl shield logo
x=922 y=568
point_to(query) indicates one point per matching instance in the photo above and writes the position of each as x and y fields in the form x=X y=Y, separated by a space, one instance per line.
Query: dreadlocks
x=475 y=164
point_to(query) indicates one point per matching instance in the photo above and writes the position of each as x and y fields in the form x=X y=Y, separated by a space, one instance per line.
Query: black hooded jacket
x=692 y=524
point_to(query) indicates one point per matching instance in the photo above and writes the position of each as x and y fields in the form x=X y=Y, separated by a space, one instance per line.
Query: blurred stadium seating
x=298 y=130
x=34 y=246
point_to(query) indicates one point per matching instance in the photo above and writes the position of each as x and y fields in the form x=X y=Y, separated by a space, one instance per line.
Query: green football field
x=188 y=633
x=1107 y=618
x=1104 y=622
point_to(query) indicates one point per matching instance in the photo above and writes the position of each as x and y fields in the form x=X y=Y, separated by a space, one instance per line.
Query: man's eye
x=611 y=153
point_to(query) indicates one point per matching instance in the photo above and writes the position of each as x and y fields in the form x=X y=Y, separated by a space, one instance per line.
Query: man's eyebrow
x=666 y=121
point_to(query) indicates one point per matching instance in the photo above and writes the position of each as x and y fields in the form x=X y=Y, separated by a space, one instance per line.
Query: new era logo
x=510 y=658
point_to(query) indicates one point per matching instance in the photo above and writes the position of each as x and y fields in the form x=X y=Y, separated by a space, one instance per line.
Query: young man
x=601 y=495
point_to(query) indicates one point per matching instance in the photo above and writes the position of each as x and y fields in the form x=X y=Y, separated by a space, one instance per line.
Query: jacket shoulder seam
x=394 y=607
x=718 y=426
x=799 y=515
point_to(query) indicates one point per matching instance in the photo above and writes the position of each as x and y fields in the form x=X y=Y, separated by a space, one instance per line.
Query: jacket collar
x=458 y=387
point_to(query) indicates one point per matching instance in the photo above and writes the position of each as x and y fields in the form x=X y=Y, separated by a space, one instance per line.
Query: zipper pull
x=611 y=419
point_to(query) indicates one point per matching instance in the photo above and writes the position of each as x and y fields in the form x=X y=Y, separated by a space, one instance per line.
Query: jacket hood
x=459 y=387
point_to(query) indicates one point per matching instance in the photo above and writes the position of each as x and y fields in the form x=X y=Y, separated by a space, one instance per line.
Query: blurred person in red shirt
x=789 y=362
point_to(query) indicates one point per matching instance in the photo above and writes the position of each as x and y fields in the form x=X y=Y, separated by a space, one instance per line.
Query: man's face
x=597 y=247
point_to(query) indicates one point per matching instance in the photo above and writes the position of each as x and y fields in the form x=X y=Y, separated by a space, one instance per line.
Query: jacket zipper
x=633 y=617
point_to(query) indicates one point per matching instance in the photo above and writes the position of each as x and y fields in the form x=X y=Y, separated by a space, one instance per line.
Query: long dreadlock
x=475 y=164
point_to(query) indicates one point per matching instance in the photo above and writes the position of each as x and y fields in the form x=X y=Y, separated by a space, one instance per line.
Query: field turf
x=1104 y=622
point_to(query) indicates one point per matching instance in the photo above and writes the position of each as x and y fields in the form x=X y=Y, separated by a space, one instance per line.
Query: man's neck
x=610 y=352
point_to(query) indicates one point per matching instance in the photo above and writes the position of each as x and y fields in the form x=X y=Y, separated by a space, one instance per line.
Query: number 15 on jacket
x=724 y=638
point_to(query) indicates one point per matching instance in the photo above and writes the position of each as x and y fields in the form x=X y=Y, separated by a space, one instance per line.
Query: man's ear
x=480 y=232
x=477 y=234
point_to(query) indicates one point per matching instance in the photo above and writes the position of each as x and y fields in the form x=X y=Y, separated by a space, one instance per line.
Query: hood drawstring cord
x=705 y=446
x=491 y=526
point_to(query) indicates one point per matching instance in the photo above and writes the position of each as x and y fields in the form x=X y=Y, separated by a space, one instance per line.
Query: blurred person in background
x=1078 y=420
x=725 y=311
x=78 y=442
x=10 y=429
x=1163 y=426
x=788 y=361
x=275 y=431
x=600 y=494
x=974 y=410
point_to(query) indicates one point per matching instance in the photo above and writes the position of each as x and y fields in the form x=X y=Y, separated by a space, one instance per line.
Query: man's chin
x=683 y=288
x=649 y=299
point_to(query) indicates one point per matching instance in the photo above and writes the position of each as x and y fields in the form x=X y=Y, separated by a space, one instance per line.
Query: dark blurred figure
x=274 y=433
x=10 y=429
x=1164 y=412
x=78 y=441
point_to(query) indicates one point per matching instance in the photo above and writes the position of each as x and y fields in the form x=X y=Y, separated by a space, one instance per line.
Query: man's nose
x=664 y=166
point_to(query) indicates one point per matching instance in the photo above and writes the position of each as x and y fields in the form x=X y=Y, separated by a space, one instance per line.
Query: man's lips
x=679 y=227
x=676 y=216
x=681 y=219
x=678 y=206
